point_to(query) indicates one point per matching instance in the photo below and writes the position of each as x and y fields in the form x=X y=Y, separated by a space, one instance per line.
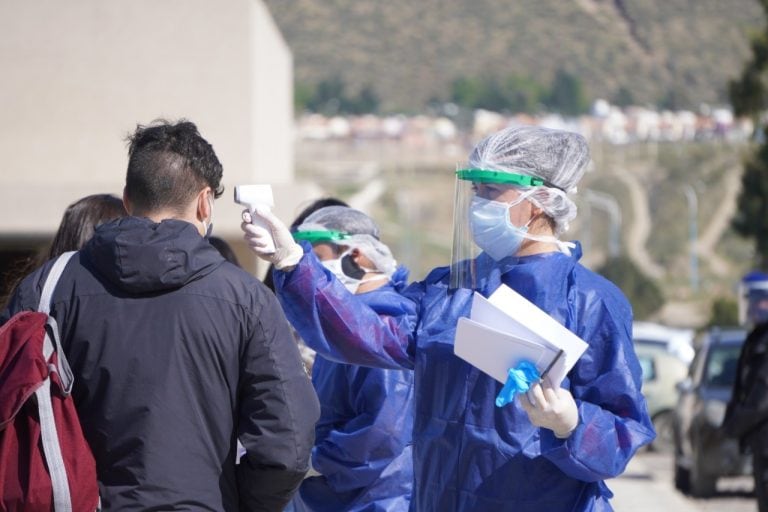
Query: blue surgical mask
x=492 y=230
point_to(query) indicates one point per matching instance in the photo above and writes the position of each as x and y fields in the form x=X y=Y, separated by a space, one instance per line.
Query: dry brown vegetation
x=674 y=51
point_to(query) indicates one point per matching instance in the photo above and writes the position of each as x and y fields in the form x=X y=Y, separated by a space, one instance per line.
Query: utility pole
x=608 y=204
x=693 y=214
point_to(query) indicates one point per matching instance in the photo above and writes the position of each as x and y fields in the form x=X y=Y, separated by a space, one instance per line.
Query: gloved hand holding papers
x=506 y=329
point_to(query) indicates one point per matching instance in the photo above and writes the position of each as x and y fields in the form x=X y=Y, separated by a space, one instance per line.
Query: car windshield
x=647 y=366
x=651 y=342
x=721 y=365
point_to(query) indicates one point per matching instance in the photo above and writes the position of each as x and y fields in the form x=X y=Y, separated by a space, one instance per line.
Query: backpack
x=45 y=462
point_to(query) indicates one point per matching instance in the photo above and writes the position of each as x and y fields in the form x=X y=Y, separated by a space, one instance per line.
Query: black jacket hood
x=139 y=255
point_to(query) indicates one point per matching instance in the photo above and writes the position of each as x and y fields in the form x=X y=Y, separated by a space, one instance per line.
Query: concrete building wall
x=78 y=76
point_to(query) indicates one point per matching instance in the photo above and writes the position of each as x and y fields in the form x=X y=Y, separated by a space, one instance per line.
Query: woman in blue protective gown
x=362 y=460
x=550 y=448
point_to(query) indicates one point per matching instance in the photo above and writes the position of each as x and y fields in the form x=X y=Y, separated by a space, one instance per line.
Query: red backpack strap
x=61 y=497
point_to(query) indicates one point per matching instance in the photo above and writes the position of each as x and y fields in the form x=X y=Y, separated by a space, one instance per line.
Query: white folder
x=506 y=328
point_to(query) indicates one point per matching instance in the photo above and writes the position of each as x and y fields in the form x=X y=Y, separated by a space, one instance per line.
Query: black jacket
x=177 y=354
x=746 y=416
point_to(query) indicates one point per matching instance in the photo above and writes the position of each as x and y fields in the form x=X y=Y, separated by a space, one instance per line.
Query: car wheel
x=682 y=479
x=702 y=484
x=662 y=424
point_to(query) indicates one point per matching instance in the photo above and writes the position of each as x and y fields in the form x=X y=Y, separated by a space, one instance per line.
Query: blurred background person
x=75 y=229
x=80 y=220
x=362 y=459
x=746 y=416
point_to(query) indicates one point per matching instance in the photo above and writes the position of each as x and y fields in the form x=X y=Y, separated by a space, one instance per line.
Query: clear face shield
x=482 y=233
x=753 y=303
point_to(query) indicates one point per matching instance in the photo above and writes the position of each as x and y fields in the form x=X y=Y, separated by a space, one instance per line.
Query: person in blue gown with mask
x=552 y=447
x=362 y=459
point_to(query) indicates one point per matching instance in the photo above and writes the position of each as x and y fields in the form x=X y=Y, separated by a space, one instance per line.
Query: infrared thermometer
x=257 y=196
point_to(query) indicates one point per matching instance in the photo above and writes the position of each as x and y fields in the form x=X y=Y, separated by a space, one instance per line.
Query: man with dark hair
x=168 y=164
x=183 y=362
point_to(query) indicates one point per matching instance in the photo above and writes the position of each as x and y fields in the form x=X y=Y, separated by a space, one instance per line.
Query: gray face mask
x=349 y=273
x=351 y=283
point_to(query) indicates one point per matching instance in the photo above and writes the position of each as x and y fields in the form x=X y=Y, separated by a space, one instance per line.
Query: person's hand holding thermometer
x=266 y=235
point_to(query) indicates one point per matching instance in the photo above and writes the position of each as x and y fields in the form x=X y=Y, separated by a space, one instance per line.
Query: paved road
x=646 y=485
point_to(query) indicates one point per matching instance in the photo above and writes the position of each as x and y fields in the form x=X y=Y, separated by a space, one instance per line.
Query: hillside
x=410 y=51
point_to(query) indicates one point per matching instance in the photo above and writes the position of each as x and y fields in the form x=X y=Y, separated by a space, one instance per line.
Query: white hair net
x=556 y=156
x=363 y=233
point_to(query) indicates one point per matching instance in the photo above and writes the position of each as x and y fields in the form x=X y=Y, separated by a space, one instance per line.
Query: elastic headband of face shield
x=503 y=178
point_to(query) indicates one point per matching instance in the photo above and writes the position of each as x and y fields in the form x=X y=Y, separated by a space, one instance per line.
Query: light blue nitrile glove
x=519 y=380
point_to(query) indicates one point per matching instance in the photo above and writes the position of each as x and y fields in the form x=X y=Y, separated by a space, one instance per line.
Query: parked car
x=676 y=341
x=702 y=452
x=661 y=373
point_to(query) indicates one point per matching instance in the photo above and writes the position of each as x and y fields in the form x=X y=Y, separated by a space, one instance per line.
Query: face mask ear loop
x=564 y=247
x=375 y=278
x=208 y=226
x=522 y=197
x=527 y=225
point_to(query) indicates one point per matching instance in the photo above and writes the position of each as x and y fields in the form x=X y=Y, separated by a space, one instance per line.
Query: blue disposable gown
x=363 y=447
x=470 y=455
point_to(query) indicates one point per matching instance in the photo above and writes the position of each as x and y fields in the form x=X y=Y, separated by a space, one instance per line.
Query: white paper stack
x=506 y=328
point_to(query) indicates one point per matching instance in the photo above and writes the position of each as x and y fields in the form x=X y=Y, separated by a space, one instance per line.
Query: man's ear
x=203 y=207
